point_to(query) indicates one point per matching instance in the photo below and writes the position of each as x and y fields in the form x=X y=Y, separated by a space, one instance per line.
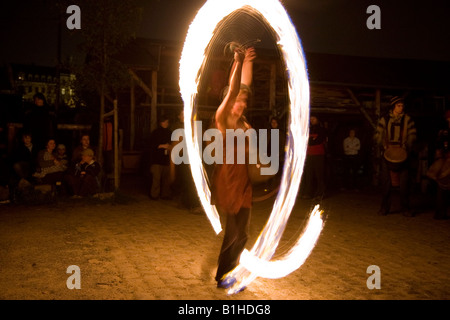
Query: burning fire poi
x=256 y=262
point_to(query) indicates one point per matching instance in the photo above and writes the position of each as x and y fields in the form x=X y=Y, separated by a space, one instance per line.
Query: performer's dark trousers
x=314 y=176
x=386 y=187
x=160 y=181
x=442 y=203
x=184 y=187
x=236 y=235
x=351 y=163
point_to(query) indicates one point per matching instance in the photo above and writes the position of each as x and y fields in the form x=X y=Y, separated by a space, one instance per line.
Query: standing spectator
x=82 y=180
x=441 y=168
x=182 y=183
x=61 y=156
x=314 y=174
x=395 y=135
x=5 y=172
x=160 y=142
x=274 y=124
x=24 y=158
x=40 y=121
x=351 y=146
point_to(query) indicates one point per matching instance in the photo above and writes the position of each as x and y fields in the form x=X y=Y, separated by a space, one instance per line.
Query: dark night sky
x=412 y=31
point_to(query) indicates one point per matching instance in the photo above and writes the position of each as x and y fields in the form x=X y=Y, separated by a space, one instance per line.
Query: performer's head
x=274 y=123
x=39 y=99
x=27 y=139
x=85 y=141
x=352 y=133
x=242 y=99
x=314 y=121
x=163 y=121
x=397 y=105
x=87 y=155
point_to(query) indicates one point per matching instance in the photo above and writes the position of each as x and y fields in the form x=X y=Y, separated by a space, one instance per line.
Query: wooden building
x=345 y=92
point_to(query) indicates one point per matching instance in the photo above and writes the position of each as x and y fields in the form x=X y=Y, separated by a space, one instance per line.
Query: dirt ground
x=133 y=248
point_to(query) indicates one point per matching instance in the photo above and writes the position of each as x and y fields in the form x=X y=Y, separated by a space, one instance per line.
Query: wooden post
x=378 y=103
x=101 y=125
x=153 y=112
x=151 y=92
x=140 y=83
x=376 y=154
x=361 y=108
x=132 y=115
x=273 y=87
x=116 y=148
x=120 y=138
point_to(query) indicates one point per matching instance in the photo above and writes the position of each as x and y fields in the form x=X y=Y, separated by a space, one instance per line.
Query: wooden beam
x=273 y=88
x=361 y=109
x=116 y=147
x=132 y=114
x=109 y=98
x=378 y=103
x=141 y=83
x=153 y=113
x=108 y=114
x=68 y=126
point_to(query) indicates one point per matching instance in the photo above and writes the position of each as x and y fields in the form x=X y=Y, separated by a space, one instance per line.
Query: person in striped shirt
x=395 y=130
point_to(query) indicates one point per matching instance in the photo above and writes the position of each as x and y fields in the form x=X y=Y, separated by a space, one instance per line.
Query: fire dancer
x=231 y=185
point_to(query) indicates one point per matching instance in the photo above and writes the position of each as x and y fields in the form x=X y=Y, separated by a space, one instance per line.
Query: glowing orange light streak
x=255 y=262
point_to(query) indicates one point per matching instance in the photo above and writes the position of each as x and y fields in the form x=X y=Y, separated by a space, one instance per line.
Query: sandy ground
x=136 y=248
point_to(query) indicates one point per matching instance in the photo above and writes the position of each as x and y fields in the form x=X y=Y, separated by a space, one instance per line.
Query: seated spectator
x=61 y=156
x=82 y=181
x=4 y=168
x=24 y=159
x=49 y=169
x=85 y=143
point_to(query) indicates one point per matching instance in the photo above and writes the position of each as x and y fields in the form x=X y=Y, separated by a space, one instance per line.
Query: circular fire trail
x=256 y=262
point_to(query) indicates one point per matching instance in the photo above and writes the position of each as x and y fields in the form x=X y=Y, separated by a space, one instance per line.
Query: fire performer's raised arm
x=225 y=109
x=247 y=67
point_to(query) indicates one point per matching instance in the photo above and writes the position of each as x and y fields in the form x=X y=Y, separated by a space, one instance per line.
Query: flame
x=255 y=262
x=294 y=259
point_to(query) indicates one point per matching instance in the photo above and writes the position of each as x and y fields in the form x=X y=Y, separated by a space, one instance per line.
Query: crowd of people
x=75 y=177
x=395 y=145
x=38 y=159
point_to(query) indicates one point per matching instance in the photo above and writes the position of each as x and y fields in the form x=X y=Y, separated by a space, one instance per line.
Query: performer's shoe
x=228 y=283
